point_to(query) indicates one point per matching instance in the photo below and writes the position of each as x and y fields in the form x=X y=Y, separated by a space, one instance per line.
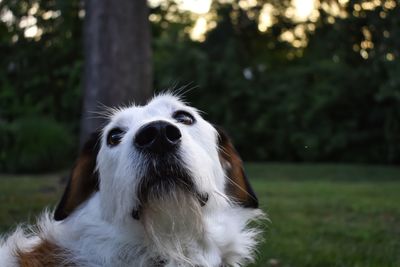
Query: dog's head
x=157 y=153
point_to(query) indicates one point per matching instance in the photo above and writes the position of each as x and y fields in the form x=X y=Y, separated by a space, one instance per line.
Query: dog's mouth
x=164 y=176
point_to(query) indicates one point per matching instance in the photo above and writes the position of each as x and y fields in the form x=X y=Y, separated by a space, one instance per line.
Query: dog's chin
x=170 y=207
x=171 y=221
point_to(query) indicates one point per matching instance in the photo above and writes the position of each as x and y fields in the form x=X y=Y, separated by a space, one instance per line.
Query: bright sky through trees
x=299 y=11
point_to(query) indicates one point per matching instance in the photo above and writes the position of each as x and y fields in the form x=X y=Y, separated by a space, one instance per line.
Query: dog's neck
x=97 y=242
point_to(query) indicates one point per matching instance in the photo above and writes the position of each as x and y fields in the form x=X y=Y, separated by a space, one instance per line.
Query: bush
x=35 y=144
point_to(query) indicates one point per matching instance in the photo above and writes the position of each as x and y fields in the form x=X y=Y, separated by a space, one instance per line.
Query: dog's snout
x=158 y=137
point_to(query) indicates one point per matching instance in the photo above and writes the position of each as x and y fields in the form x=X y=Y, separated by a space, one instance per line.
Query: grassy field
x=321 y=215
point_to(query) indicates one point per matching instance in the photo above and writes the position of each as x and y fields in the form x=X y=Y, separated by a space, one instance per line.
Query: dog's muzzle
x=159 y=142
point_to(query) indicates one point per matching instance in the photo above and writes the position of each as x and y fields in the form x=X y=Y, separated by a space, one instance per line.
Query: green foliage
x=321 y=102
x=40 y=80
x=41 y=75
x=35 y=145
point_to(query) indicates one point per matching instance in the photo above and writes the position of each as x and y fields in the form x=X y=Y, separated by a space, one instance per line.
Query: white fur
x=102 y=232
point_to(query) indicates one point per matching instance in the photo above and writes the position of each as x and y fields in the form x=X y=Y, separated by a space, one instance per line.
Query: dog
x=157 y=186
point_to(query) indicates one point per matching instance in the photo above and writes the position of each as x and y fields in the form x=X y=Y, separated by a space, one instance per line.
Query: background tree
x=117 y=57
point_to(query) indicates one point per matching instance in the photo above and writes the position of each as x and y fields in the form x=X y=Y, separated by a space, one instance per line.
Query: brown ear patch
x=238 y=186
x=46 y=254
x=83 y=181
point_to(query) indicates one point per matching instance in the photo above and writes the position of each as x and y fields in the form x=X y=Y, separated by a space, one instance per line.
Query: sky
x=301 y=10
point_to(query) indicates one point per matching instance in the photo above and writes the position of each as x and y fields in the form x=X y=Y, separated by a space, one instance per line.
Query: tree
x=117 y=58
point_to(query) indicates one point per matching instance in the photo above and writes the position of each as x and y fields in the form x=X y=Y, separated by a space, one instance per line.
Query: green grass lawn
x=23 y=197
x=321 y=215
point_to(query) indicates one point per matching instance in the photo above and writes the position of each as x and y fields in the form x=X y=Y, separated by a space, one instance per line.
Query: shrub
x=35 y=144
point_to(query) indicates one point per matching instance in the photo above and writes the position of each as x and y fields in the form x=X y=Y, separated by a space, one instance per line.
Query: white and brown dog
x=159 y=186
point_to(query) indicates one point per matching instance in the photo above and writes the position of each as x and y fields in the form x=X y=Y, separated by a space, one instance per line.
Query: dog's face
x=154 y=154
x=150 y=152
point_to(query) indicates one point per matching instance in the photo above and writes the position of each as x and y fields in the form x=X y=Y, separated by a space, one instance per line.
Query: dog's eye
x=183 y=117
x=114 y=137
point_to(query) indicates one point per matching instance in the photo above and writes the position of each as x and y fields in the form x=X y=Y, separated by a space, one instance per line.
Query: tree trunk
x=117 y=58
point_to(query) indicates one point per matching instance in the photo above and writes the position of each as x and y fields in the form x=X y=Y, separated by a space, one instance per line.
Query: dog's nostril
x=146 y=136
x=158 y=137
x=172 y=133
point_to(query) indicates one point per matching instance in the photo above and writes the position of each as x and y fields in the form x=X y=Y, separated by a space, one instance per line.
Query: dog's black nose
x=158 y=137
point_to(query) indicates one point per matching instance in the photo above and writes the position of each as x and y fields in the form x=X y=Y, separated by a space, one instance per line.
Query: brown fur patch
x=83 y=181
x=238 y=186
x=46 y=254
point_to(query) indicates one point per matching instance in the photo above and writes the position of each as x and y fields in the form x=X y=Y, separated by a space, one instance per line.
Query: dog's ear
x=238 y=186
x=83 y=180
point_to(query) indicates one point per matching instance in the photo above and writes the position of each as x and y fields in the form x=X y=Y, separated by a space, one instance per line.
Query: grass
x=329 y=215
x=23 y=197
x=321 y=215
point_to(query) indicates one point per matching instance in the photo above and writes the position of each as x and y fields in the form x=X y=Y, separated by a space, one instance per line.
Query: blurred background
x=309 y=90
